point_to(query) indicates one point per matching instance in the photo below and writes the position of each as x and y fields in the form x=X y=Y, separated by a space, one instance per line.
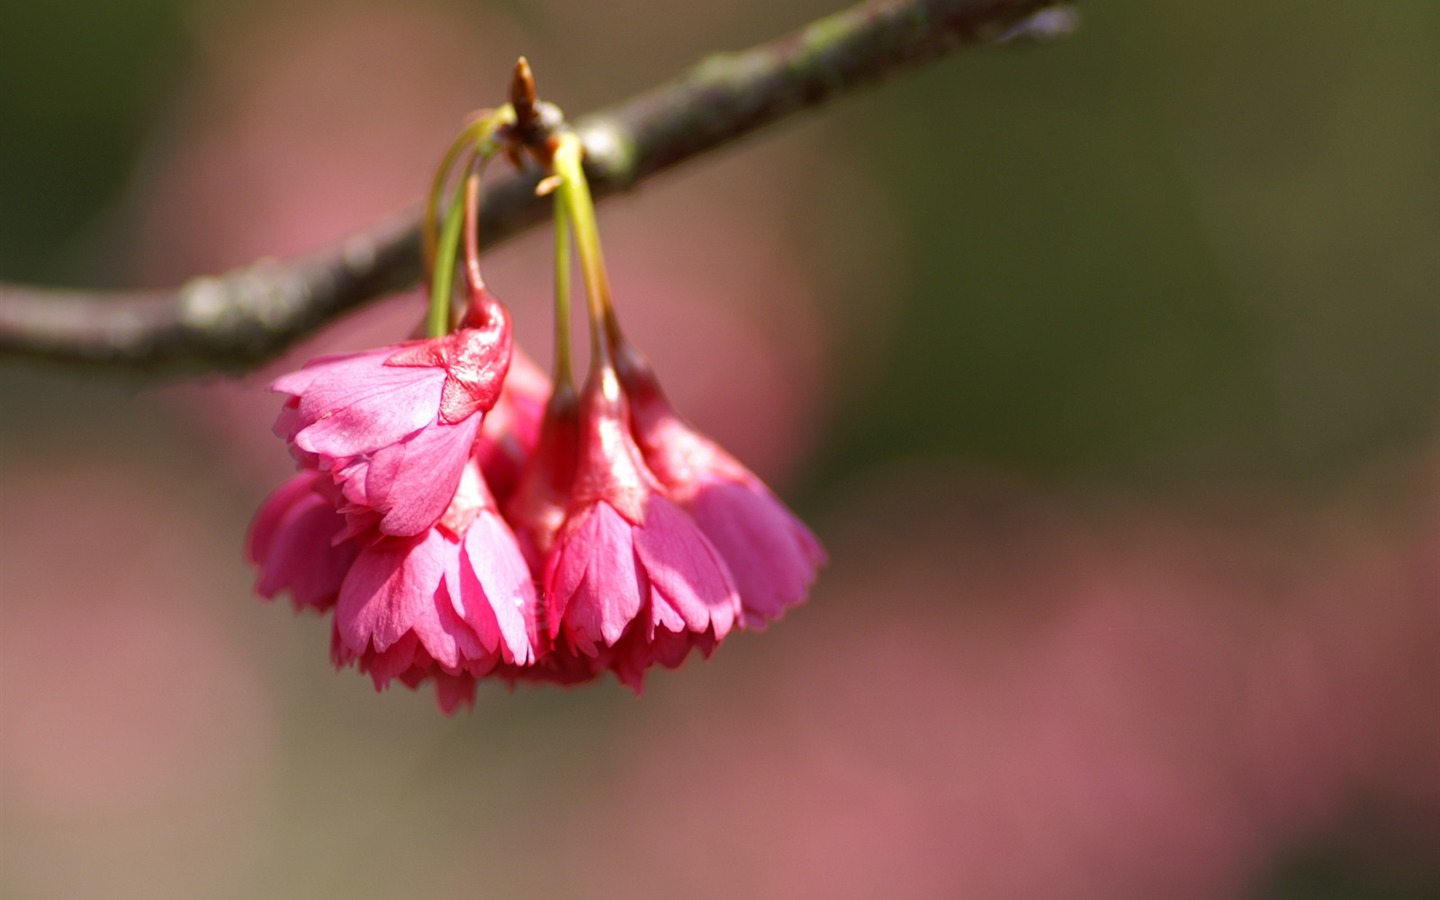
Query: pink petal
x=411 y=483
x=287 y=424
x=771 y=554
x=360 y=408
x=393 y=662
x=475 y=360
x=468 y=600
x=299 y=381
x=496 y=575
x=267 y=518
x=304 y=556
x=449 y=638
x=592 y=578
x=634 y=655
x=390 y=586
x=686 y=573
x=454 y=691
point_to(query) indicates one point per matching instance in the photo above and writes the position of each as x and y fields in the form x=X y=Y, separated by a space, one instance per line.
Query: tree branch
x=236 y=320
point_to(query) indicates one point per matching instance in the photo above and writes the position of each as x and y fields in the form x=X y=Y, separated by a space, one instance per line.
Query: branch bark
x=239 y=319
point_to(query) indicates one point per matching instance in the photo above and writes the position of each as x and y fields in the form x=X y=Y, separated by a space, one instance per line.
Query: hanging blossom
x=771 y=554
x=390 y=522
x=464 y=516
x=629 y=571
x=394 y=427
x=448 y=605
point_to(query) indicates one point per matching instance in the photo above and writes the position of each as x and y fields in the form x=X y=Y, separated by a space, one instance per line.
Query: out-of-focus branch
x=236 y=320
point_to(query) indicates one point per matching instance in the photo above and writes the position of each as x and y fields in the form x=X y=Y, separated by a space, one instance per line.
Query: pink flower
x=448 y=605
x=293 y=541
x=541 y=498
x=512 y=428
x=394 y=427
x=770 y=553
x=630 y=580
x=641 y=649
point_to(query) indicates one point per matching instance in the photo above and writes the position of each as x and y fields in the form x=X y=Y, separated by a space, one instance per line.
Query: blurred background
x=1108 y=371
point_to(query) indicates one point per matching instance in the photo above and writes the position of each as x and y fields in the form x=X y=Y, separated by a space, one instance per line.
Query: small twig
x=239 y=319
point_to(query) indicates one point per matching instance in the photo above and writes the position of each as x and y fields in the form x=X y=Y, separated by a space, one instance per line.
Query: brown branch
x=236 y=320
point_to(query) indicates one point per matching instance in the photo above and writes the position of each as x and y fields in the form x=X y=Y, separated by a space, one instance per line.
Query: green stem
x=574 y=193
x=562 y=293
x=477 y=136
x=437 y=323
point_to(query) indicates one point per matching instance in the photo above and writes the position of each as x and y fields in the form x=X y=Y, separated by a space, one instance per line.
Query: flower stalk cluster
x=465 y=516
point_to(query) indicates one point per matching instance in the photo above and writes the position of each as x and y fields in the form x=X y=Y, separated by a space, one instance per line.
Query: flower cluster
x=464 y=516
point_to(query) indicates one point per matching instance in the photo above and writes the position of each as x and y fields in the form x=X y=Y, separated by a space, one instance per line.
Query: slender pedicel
x=478 y=135
x=437 y=323
x=574 y=193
